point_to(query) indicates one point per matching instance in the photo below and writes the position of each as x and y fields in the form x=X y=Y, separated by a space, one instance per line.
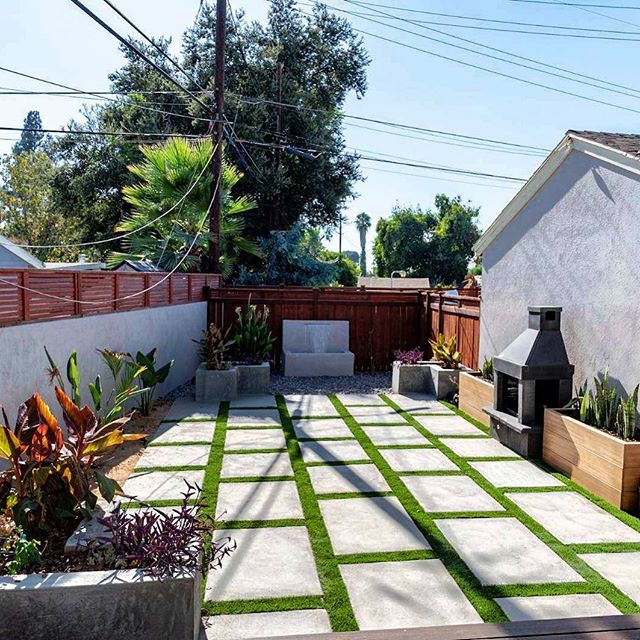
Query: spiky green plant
x=214 y=347
x=487 y=370
x=445 y=352
x=253 y=341
x=165 y=178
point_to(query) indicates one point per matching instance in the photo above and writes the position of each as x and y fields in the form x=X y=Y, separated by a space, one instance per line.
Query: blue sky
x=53 y=39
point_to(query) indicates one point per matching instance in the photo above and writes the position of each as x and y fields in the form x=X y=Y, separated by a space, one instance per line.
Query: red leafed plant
x=50 y=476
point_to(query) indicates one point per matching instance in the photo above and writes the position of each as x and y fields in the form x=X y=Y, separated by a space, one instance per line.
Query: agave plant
x=166 y=179
x=445 y=352
x=253 y=341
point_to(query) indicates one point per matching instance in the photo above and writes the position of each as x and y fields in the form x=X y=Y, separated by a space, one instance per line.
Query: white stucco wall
x=576 y=245
x=23 y=361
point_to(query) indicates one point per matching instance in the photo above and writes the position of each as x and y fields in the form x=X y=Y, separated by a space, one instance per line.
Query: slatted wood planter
x=599 y=462
x=473 y=394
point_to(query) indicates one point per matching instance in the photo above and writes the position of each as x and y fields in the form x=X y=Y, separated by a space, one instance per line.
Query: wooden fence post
x=77 y=292
x=422 y=321
x=316 y=295
x=440 y=314
x=26 y=298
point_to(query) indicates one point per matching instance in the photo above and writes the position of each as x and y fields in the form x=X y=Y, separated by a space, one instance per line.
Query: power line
x=503 y=51
x=192 y=186
x=606 y=15
x=88 y=132
x=481 y=68
x=580 y=4
x=496 y=21
x=139 y=53
x=131 y=295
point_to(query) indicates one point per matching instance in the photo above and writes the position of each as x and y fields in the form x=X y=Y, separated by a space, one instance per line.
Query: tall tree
x=174 y=177
x=434 y=244
x=32 y=137
x=363 y=224
x=27 y=214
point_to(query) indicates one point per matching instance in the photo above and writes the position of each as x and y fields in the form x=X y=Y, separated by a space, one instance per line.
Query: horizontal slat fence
x=380 y=320
x=31 y=295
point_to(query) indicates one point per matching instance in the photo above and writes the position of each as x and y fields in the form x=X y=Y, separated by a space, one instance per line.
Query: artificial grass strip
x=389 y=556
x=567 y=552
x=246 y=451
x=466 y=416
x=264 y=524
x=355 y=494
x=265 y=605
x=336 y=598
x=466 y=580
x=255 y=479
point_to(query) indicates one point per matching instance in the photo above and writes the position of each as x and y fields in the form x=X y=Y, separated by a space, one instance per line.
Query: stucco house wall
x=576 y=244
x=23 y=362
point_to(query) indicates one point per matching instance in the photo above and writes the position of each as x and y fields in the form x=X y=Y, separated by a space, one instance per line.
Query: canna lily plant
x=51 y=475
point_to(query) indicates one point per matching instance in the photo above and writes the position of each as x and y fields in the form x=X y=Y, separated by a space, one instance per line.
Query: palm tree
x=176 y=174
x=363 y=224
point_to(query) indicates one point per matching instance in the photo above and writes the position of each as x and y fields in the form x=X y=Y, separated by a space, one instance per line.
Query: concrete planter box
x=253 y=378
x=474 y=393
x=119 y=605
x=424 y=377
x=216 y=384
x=599 y=462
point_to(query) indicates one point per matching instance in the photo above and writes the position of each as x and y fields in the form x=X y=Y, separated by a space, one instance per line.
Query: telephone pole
x=217 y=135
x=275 y=222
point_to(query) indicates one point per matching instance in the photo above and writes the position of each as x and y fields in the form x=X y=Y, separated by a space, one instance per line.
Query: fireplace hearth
x=531 y=373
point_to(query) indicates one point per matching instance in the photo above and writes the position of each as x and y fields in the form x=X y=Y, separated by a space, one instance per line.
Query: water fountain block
x=316 y=348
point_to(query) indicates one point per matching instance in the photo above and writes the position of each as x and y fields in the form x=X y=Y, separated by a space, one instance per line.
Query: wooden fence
x=30 y=295
x=380 y=320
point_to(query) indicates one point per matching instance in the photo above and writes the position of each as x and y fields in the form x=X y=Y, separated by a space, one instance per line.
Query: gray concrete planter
x=119 y=605
x=253 y=378
x=424 y=377
x=216 y=384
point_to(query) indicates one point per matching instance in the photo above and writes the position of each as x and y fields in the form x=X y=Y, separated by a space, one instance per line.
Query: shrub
x=445 y=352
x=160 y=542
x=409 y=357
x=149 y=378
x=17 y=553
x=252 y=341
x=50 y=475
x=213 y=348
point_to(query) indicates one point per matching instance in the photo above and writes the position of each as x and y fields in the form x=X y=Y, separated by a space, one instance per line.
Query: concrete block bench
x=316 y=348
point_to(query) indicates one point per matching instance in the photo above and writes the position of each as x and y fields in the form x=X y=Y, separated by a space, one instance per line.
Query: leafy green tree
x=165 y=181
x=346 y=270
x=32 y=138
x=323 y=62
x=27 y=214
x=354 y=256
x=434 y=244
x=363 y=224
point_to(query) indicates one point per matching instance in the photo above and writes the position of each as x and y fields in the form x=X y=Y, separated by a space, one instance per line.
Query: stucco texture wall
x=576 y=245
x=23 y=362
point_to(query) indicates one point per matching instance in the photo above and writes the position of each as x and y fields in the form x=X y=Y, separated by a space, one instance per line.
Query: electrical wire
x=581 y=4
x=122 y=235
x=131 y=295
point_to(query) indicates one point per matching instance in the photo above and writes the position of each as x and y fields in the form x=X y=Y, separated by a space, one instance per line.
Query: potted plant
x=594 y=441
x=216 y=379
x=252 y=347
x=475 y=391
x=410 y=372
x=445 y=367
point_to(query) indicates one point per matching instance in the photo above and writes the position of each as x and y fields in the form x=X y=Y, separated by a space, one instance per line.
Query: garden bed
x=605 y=465
x=474 y=393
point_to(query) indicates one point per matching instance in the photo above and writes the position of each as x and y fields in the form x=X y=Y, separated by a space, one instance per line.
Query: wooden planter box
x=473 y=394
x=599 y=462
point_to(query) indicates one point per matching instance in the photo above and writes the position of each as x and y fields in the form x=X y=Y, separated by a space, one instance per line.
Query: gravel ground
x=359 y=383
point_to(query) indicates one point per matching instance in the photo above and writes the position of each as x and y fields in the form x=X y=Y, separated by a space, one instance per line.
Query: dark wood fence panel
x=380 y=321
x=30 y=295
x=457 y=316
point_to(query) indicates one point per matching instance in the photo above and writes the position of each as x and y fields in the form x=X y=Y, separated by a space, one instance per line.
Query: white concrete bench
x=316 y=348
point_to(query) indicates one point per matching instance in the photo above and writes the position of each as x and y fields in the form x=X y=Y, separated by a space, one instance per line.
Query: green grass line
x=621 y=601
x=466 y=580
x=248 y=451
x=562 y=489
x=261 y=606
x=390 y=556
x=336 y=463
x=264 y=524
x=336 y=598
x=435 y=472
x=342 y=439
x=255 y=479
x=466 y=416
x=355 y=494
x=188 y=443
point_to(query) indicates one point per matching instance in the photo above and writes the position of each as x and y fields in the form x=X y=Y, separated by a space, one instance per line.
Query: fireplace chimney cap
x=545 y=318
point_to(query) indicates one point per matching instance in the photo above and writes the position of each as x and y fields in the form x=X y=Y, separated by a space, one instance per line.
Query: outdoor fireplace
x=531 y=373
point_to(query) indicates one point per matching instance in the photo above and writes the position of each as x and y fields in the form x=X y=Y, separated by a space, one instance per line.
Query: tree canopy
x=430 y=244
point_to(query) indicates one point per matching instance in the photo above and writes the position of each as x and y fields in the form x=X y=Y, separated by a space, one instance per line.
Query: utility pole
x=275 y=222
x=217 y=134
